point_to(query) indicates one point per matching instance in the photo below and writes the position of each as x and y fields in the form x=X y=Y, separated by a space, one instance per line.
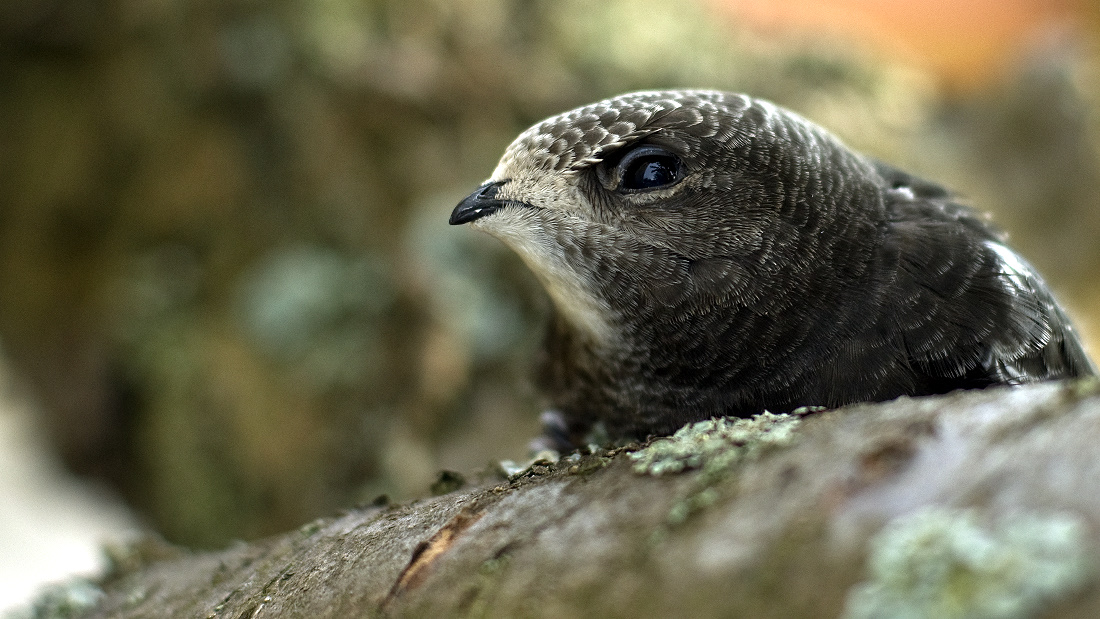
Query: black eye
x=649 y=167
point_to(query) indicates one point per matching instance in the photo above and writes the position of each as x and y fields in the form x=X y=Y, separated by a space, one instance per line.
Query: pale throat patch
x=521 y=229
x=531 y=234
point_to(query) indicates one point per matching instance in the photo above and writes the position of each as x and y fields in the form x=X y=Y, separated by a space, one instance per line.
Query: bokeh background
x=227 y=284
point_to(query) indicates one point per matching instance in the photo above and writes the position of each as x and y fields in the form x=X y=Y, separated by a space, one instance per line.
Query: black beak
x=478 y=204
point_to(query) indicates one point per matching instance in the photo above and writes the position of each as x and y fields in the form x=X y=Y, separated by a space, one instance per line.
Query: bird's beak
x=478 y=204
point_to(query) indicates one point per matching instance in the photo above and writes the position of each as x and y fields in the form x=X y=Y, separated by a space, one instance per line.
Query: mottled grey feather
x=782 y=270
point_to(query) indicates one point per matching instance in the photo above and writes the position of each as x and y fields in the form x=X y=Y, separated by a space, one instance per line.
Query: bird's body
x=712 y=254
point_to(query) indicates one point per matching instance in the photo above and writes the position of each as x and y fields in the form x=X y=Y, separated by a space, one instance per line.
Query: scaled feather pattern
x=713 y=254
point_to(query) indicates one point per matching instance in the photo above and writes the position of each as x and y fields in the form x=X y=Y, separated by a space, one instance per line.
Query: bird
x=712 y=254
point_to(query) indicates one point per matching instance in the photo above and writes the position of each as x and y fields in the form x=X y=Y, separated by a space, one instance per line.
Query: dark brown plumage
x=712 y=254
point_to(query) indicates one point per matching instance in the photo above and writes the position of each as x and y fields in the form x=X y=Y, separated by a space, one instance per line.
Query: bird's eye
x=649 y=167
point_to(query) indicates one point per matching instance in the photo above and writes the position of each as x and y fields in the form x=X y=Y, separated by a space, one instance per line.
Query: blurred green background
x=225 y=265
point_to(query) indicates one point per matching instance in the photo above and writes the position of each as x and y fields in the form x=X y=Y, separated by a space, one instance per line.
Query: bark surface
x=984 y=502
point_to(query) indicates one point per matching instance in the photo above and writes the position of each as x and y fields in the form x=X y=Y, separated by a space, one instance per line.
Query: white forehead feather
x=576 y=137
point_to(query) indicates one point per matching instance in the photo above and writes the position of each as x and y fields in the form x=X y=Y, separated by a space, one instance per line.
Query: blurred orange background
x=968 y=44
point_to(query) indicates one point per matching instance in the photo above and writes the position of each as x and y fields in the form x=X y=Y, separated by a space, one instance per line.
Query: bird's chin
x=514 y=223
x=570 y=286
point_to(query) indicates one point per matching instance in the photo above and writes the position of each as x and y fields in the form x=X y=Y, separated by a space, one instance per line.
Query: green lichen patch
x=513 y=471
x=72 y=598
x=312 y=528
x=948 y=563
x=714 y=444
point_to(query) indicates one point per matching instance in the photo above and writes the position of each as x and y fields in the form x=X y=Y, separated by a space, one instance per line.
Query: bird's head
x=669 y=198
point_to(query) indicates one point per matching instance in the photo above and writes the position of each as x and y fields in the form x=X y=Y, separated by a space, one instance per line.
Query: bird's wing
x=974 y=313
x=1034 y=310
